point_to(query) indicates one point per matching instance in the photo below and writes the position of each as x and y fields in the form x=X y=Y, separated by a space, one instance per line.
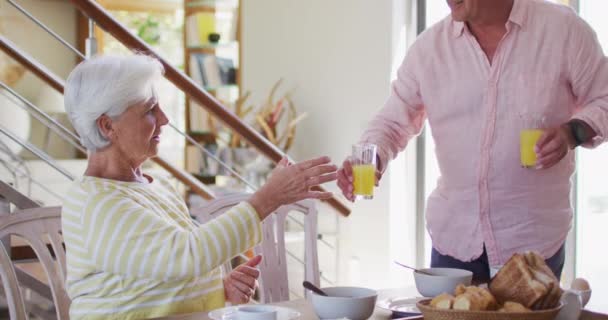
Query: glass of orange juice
x=528 y=137
x=364 y=170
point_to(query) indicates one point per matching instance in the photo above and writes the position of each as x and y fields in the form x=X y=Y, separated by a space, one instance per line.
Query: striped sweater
x=133 y=251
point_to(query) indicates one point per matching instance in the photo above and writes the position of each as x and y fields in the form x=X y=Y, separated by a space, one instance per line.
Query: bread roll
x=443 y=301
x=469 y=301
x=460 y=289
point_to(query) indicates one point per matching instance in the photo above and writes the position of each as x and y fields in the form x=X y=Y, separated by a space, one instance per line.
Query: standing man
x=478 y=76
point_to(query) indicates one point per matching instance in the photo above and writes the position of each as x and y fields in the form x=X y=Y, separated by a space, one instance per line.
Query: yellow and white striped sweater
x=133 y=252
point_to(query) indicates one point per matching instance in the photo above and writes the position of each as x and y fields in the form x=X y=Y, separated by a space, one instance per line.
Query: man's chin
x=458 y=17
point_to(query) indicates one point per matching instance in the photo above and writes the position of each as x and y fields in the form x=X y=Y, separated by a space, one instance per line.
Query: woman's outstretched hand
x=289 y=183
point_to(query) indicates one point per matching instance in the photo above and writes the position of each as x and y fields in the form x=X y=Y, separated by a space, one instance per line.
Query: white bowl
x=345 y=302
x=443 y=280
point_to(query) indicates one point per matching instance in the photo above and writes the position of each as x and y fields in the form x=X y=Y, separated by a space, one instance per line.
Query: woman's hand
x=240 y=284
x=289 y=183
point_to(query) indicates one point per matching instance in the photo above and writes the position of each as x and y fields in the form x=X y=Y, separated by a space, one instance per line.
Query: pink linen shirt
x=548 y=66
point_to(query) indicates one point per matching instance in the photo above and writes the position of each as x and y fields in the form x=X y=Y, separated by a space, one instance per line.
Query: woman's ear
x=104 y=123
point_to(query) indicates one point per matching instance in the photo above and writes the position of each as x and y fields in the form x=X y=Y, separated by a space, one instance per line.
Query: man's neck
x=489 y=27
x=492 y=18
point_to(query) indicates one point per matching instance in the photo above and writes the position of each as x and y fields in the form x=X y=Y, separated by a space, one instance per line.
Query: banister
x=58 y=84
x=105 y=21
x=36 y=151
x=31 y=64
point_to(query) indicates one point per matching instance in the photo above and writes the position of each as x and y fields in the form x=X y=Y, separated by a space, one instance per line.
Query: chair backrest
x=15 y=197
x=38 y=227
x=274 y=285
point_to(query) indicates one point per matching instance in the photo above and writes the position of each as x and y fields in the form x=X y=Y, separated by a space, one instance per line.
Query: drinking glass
x=533 y=128
x=364 y=170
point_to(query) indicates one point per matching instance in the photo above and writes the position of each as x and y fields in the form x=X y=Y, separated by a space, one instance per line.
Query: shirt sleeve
x=402 y=116
x=124 y=237
x=588 y=72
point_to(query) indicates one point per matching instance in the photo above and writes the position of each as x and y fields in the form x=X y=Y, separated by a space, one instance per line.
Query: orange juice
x=528 y=139
x=364 y=179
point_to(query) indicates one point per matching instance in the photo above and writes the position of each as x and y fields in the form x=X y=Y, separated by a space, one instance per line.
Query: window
x=436 y=10
x=592 y=193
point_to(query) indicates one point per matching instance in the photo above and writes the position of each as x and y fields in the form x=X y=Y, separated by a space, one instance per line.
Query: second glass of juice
x=528 y=137
x=364 y=170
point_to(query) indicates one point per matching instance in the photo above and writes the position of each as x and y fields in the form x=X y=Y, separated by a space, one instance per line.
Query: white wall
x=340 y=56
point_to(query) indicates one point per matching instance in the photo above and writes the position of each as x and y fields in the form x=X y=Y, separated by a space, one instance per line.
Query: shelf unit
x=199 y=124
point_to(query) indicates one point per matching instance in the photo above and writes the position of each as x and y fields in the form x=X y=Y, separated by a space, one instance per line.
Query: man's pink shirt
x=549 y=66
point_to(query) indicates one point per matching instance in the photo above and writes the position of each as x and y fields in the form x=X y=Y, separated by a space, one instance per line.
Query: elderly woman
x=132 y=249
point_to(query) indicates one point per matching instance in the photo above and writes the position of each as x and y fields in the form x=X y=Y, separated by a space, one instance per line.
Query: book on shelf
x=227 y=70
x=211 y=71
x=196 y=73
x=199 y=118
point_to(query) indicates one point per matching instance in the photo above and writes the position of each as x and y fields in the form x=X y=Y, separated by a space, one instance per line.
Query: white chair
x=274 y=285
x=37 y=226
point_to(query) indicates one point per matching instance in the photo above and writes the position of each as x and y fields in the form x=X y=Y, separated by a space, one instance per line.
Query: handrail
x=31 y=64
x=104 y=20
x=58 y=84
x=37 y=152
x=44 y=118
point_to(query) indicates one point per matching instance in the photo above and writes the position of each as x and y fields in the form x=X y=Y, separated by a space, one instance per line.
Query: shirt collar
x=519 y=12
x=518 y=16
x=458 y=28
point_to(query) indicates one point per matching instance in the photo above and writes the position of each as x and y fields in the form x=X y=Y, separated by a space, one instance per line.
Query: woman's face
x=136 y=132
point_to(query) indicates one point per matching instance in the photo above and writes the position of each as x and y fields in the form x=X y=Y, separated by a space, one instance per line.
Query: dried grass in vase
x=276 y=118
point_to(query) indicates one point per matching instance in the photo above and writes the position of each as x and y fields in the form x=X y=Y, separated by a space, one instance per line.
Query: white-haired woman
x=133 y=251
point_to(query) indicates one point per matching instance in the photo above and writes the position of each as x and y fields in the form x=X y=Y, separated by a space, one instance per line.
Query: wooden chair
x=274 y=285
x=37 y=226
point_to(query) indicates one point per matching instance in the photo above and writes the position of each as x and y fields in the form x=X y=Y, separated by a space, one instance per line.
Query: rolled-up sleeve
x=402 y=116
x=588 y=71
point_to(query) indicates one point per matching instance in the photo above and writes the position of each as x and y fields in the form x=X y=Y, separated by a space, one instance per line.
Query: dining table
x=306 y=310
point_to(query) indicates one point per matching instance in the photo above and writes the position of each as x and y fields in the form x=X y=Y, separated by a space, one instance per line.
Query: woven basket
x=431 y=313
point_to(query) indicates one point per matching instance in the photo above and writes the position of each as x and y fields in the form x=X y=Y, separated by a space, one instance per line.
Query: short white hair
x=107 y=85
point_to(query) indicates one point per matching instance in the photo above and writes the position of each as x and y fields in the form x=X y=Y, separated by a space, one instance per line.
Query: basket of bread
x=524 y=289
